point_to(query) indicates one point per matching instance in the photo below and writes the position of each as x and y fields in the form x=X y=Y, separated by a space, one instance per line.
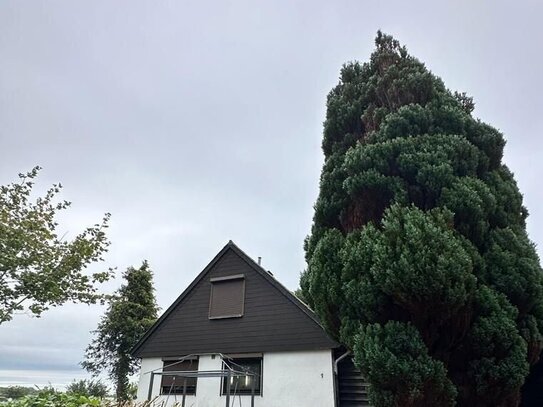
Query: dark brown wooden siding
x=271 y=321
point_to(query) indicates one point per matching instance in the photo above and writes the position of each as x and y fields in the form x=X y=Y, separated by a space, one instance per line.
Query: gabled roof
x=319 y=337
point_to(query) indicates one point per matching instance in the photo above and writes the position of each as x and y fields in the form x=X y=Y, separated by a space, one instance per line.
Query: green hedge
x=51 y=399
x=57 y=399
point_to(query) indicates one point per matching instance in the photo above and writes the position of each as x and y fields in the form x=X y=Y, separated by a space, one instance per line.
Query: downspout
x=336 y=377
x=336 y=363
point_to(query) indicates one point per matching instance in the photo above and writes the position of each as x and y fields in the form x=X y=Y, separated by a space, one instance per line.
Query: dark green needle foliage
x=418 y=258
x=130 y=314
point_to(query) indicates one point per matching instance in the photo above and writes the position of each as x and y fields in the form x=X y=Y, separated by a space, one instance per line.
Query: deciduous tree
x=88 y=388
x=38 y=268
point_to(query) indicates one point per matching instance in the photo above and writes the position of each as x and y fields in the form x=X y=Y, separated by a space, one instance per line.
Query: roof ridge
x=180 y=298
x=284 y=290
x=258 y=268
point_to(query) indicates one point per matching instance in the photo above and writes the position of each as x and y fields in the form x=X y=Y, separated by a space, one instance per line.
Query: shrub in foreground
x=51 y=398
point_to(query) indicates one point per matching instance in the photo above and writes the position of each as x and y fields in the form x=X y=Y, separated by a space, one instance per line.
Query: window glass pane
x=174 y=384
x=242 y=384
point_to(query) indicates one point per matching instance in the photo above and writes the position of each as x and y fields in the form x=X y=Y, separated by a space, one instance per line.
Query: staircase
x=352 y=389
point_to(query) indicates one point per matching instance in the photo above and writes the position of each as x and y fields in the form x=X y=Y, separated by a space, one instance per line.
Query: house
x=236 y=336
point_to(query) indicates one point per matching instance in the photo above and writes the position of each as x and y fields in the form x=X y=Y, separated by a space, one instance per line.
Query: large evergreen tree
x=130 y=314
x=418 y=258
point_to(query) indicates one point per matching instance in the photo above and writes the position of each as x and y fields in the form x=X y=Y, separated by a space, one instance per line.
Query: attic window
x=227 y=297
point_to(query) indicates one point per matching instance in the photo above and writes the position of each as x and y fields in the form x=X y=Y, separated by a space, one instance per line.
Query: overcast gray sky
x=196 y=122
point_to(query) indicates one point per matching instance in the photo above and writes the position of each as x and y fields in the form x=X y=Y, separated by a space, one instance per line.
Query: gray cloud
x=197 y=122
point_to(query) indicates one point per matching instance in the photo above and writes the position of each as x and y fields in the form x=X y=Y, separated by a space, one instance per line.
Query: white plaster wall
x=148 y=364
x=296 y=379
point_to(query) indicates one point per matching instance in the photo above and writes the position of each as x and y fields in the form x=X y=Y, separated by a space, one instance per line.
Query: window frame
x=259 y=390
x=178 y=389
x=213 y=281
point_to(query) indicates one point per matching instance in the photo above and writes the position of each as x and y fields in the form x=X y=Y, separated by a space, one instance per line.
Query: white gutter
x=336 y=362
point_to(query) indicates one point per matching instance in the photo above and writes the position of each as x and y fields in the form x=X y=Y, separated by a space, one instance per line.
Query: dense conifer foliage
x=131 y=312
x=418 y=258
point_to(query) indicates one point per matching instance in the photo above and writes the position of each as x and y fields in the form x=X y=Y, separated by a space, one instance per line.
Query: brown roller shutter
x=227 y=297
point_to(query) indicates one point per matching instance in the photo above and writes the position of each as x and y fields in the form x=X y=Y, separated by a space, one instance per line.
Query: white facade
x=297 y=379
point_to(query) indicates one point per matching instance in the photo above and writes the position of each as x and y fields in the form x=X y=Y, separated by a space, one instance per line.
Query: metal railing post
x=228 y=389
x=253 y=391
x=150 y=393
